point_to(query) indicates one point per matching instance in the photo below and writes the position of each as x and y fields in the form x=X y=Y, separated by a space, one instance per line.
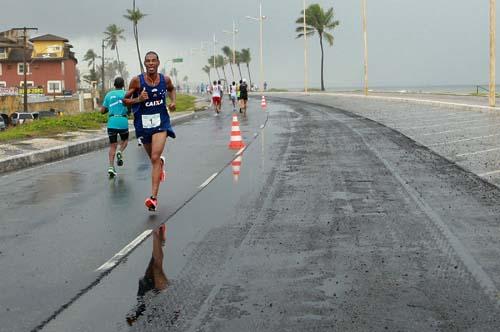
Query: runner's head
x=234 y=83
x=119 y=83
x=151 y=62
x=215 y=82
x=241 y=81
x=218 y=82
x=245 y=80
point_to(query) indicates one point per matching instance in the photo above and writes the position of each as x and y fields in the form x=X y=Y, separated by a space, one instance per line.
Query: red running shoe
x=151 y=203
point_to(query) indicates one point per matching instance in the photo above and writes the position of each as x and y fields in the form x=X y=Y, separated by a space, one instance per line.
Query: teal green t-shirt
x=117 y=112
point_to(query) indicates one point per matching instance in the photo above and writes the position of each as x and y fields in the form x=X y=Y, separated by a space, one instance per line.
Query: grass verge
x=48 y=127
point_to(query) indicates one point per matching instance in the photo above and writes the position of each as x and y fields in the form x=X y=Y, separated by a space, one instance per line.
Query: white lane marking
x=476 y=152
x=207 y=181
x=240 y=151
x=464 y=140
x=490 y=173
x=461 y=129
x=432 y=117
x=116 y=258
x=441 y=124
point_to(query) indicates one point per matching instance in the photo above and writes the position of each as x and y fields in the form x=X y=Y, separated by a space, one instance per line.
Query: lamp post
x=305 y=50
x=260 y=19
x=365 y=39
x=492 y=97
x=102 y=73
x=233 y=32
x=25 y=70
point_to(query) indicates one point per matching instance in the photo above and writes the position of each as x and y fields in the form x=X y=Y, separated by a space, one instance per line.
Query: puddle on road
x=51 y=186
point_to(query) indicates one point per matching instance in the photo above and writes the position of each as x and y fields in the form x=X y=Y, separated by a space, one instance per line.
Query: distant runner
x=233 y=95
x=216 y=97
x=148 y=95
x=243 y=97
x=117 y=124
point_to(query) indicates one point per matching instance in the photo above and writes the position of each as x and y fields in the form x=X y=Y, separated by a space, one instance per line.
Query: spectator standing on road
x=117 y=124
x=147 y=95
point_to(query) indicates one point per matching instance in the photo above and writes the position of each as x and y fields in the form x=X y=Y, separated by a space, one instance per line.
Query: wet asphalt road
x=335 y=223
x=62 y=221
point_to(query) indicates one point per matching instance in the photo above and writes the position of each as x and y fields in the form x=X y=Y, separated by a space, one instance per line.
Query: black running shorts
x=113 y=135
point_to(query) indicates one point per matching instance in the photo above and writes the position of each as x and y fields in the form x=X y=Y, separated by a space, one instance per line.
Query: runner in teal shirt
x=117 y=123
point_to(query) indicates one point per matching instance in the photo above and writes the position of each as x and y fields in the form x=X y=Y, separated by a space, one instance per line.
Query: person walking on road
x=243 y=97
x=147 y=94
x=117 y=124
x=233 y=95
x=216 y=97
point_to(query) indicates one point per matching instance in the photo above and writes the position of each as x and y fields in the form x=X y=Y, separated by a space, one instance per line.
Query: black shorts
x=113 y=135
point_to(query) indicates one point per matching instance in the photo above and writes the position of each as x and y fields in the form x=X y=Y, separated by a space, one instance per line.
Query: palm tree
x=246 y=58
x=238 y=62
x=317 y=20
x=113 y=34
x=214 y=64
x=221 y=62
x=206 y=69
x=228 y=52
x=135 y=15
x=90 y=57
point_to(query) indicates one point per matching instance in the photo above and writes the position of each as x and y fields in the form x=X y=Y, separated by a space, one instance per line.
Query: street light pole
x=492 y=97
x=25 y=70
x=234 y=42
x=305 y=50
x=261 y=22
x=365 y=38
x=261 y=49
x=102 y=74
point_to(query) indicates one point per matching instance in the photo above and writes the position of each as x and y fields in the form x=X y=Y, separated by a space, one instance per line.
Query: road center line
x=207 y=181
x=476 y=152
x=129 y=247
x=461 y=129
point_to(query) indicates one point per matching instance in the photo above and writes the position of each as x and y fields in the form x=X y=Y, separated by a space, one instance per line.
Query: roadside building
x=51 y=65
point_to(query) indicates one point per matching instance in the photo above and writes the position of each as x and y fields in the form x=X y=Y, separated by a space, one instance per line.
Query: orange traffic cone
x=263 y=102
x=236 y=166
x=236 y=142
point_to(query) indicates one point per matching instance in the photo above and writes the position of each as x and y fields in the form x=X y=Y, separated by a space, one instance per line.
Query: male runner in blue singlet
x=147 y=94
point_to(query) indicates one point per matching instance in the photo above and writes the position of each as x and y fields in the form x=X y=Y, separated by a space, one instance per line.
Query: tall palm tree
x=319 y=21
x=211 y=63
x=90 y=57
x=246 y=57
x=238 y=62
x=135 y=15
x=206 y=69
x=228 y=52
x=114 y=33
x=220 y=61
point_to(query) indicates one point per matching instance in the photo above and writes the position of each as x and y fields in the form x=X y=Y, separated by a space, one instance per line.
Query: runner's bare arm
x=104 y=110
x=171 y=94
x=135 y=86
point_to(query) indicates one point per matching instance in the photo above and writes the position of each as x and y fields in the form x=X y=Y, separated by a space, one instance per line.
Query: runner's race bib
x=151 y=121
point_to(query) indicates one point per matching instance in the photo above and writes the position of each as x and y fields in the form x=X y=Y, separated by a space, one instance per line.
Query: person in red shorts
x=216 y=97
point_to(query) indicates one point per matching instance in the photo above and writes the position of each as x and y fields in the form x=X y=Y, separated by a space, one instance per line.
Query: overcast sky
x=411 y=42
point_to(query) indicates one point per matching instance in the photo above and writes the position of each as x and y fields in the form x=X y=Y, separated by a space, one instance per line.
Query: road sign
x=177 y=60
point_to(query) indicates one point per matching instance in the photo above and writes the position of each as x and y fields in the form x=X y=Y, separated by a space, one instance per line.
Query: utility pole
x=305 y=49
x=102 y=74
x=365 y=38
x=25 y=70
x=492 y=98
